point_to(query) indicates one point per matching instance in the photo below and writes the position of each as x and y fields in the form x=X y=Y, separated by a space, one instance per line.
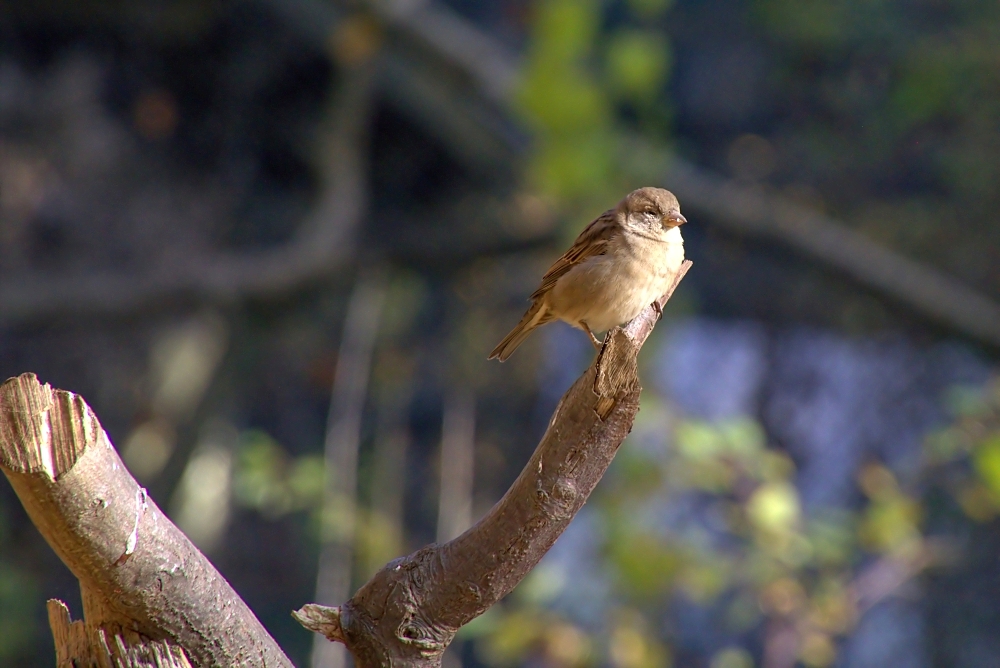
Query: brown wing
x=591 y=242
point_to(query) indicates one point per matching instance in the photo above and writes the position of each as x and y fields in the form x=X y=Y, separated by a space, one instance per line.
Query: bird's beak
x=675 y=218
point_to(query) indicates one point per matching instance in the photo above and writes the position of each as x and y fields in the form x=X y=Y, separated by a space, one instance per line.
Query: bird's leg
x=593 y=339
x=658 y=309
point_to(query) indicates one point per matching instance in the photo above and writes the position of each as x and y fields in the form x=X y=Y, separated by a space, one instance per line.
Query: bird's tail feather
x=537 y=315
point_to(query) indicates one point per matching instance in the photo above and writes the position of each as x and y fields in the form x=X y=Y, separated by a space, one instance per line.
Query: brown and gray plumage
x=620 y=263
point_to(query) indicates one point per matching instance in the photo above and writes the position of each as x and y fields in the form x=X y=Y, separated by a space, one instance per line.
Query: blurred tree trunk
x=458 y=441
x=343 y=439
x=384 y=537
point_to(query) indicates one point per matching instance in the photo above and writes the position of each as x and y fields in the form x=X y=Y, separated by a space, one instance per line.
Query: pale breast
x=613 y=288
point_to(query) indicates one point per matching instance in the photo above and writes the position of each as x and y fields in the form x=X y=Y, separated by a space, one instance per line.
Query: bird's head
x=651 y=208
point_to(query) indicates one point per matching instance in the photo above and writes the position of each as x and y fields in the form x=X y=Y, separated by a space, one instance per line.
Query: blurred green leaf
x=258 y=469
x=820 y=23
x=825 y=25
x=978 y=502
x=743 y=437
x=832 y=606
x=542 y=584
x=890 y=524
x=569 y=169
x=774 y=508
x=512 y=637
x=704 y=575
x=648 y=9
x=986 y=461
x=773 y=466
x=832 y=540
x=634 y=476
x=378 y=539
x=732 y=657
x=563 y=30
x=925 y=90
x=565 y=103
x=631 y=644
x=698 y=440
x=646 y=563
x=740 y=439
x=269 y=481
x=566 y=100
x=638 y=62
x=306 y=478
x=527 y=632
x=483 y=625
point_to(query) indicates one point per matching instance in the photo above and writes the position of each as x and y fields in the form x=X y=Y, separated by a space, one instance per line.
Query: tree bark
x=150 y=597
x=409 y=612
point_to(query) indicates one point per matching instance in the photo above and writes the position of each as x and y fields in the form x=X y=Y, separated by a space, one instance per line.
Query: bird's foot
x=598 y=344
x=658 y=309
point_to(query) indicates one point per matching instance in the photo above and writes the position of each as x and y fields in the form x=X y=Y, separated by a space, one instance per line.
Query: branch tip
x=321 y=619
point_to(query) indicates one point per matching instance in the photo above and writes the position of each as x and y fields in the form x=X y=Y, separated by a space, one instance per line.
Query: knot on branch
x=41 y=429
x=427 y=638
x=557 y=500
x=419 y=573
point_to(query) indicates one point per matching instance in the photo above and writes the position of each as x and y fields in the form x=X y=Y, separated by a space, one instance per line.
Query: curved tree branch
x=147 y=591
x=321 y=246
x=409 y=612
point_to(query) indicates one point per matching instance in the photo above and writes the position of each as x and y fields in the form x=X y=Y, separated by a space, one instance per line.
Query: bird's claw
x=598 y=344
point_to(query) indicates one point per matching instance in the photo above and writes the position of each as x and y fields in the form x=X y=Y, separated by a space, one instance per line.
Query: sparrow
x=620 y=263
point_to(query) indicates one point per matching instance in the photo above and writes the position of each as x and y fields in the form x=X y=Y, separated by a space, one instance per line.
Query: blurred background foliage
x=814 y=477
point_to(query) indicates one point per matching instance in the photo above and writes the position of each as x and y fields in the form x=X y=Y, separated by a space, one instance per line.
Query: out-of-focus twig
x=320 y=247
x=387 y=489
x=884 y=577
x=457 y=41
x=458 y=438
x=343 y=438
